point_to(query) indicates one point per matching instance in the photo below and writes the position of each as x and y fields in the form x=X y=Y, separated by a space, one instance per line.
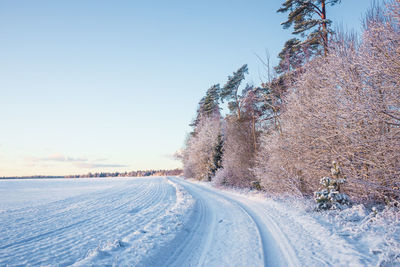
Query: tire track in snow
x=190 y=240
x=270 y=233
x=276 y=250
x=221 y=233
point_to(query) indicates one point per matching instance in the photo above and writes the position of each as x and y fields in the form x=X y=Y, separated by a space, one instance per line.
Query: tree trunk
x=324 y=27
x=238 y=105
x=254 y=132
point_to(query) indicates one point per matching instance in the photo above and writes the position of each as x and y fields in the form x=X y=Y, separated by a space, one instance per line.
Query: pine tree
x=306 y=15
x=208 y=105
x=230 y=90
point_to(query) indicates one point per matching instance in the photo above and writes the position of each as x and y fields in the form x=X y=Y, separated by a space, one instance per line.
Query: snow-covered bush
x=220 y=177
x=201 y=156
x=329 y=196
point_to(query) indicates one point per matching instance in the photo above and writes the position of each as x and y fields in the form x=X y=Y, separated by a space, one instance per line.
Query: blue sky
x=112 y=85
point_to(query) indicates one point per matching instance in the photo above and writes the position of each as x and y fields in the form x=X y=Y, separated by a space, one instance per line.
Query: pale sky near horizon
x=91 y=86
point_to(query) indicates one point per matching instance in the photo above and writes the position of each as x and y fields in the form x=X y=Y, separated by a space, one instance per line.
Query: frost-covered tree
x=242 y=138
x=251 y=109
x=201 y=156
x=295 y=54
x=239 y=153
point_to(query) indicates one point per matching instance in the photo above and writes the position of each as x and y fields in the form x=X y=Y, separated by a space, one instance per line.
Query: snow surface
x=174 y=222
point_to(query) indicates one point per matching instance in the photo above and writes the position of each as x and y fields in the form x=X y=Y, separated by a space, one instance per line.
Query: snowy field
x=166 y=222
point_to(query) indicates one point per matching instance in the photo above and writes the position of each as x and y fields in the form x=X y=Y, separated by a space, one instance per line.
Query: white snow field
x=159 y=221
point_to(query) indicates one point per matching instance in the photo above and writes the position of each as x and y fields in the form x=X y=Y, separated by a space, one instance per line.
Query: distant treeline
x=139 y=173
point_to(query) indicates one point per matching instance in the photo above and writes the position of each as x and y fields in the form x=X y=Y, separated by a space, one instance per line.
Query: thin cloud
x=100 y=159
x=83 y=163
x=61 y=158
x=97 y=165
x=55 y=158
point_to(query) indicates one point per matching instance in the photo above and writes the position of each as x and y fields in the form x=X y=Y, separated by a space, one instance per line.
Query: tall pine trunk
x=324 y=27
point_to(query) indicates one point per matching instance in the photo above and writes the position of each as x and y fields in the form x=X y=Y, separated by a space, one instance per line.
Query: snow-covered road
x=156 y=222
x=229 y=233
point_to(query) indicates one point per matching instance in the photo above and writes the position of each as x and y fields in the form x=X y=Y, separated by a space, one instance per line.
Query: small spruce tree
x=329 y=196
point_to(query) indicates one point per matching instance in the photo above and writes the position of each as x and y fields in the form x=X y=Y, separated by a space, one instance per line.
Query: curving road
x=229 y=231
